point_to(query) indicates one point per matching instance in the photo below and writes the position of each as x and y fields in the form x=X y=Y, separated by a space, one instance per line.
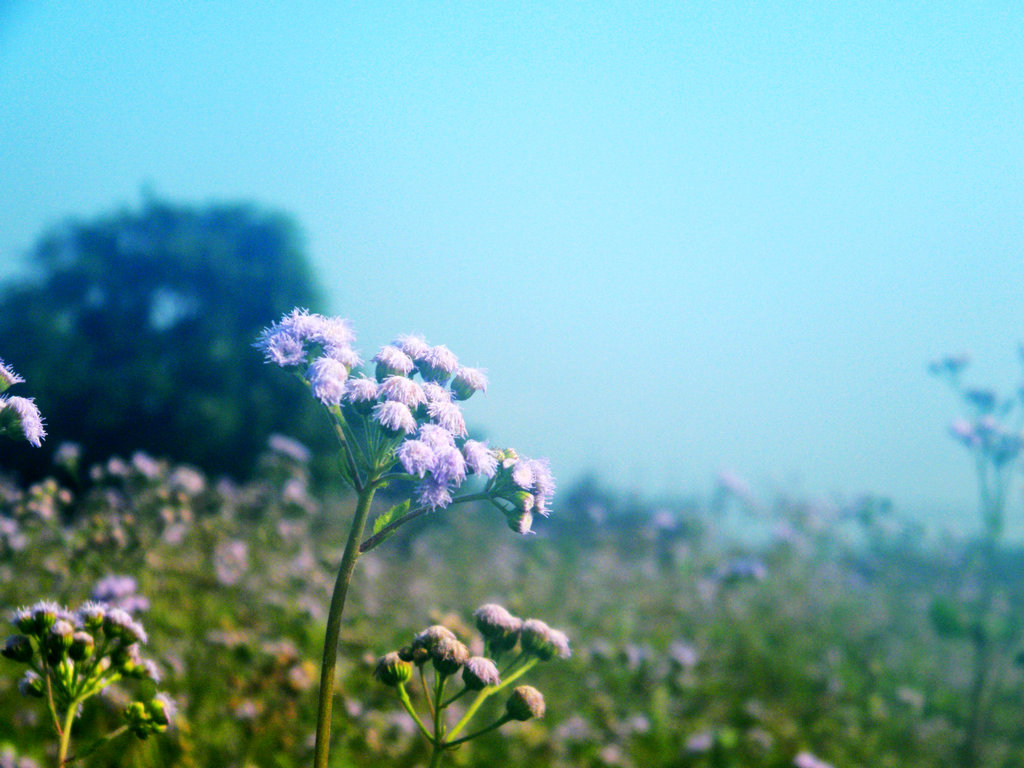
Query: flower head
x=437 y=364
x=21 y=415
x=361 y=390
x=526 y=702
x=394 y=416
x=413 y=345
x=432 y=493
x=480 y=672
x=449 y=416
x=391 y=361
x=8 y=377
x=467 y=381
x=436 y=437
x=284 y=342
x=416 y=456
x=449 y=466
x=327 y=377
x=402 y=390
x=479 y=458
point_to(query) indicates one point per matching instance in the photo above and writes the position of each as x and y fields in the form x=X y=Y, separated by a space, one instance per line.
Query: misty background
x=679 y=238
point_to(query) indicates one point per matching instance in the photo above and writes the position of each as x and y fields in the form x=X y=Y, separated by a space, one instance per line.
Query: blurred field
x=835 y=631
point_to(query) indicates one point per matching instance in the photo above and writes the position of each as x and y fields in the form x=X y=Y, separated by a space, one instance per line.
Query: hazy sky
x=680 y=236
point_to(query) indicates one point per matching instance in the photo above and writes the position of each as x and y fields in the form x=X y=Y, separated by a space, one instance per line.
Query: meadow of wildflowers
x=837 y=637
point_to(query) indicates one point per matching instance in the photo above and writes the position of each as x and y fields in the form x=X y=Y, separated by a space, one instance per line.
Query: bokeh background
x=705 y=251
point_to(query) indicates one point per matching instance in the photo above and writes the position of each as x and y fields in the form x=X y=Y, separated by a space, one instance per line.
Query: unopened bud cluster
x=437 y=648
x=73 y=655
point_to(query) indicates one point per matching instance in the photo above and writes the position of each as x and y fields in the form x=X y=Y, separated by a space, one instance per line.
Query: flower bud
x=92 y=614
x=499 y=627
x=520 y=522
x=479 y=672
x=417 y=655
x=542 y=641
x=467 y=381
x=431 y=636
x=525 y=703
x=44 y=615
x=58 y=641
x=82 y=645
x=162 y=709
x=448 y=655
x=31 y=684
x=392 y=669
x=18 y=648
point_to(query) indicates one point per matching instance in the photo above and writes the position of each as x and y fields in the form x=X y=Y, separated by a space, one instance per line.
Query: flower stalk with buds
x=480 y=675
x=72 y=656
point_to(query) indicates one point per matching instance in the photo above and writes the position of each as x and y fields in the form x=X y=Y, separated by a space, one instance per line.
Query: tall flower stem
x=348 y=564
x=65 y=734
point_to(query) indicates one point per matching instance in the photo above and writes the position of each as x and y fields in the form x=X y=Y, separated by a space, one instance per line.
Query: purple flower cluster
x=409 y=412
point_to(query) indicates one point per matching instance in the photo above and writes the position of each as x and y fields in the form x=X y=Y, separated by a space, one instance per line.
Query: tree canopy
x=134 y=332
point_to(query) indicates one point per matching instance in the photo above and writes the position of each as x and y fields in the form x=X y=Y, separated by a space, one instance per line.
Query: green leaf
x=385 y=518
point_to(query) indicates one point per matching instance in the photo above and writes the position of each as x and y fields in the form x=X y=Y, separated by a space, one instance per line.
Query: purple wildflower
x=285 y=342
x=22 y=413
x=449 y=466
x=433 y=494
x=327 y=378
x=417 y=457
x=360 y=389
x=393 y=361
x=479 y=458
x=543 y=484
x=438 y=364
x=467 y=381
x=402 y=390
x=522 y=474
x=435 y=393
x=436 y=437
x=394 y=416
x=8 y=377
x=413 y=345
x=449 y=416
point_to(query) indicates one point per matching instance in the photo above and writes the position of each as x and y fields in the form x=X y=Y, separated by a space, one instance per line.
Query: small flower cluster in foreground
x=448 y=656
x=405 y=420
x=19 y=416
x=72 y=656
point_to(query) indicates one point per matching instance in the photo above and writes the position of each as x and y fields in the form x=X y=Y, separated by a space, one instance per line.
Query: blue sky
x=680 y=237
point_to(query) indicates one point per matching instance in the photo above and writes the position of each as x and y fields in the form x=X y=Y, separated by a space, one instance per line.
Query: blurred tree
x=134 y=332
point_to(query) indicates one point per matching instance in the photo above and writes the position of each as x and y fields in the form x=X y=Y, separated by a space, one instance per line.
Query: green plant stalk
x=992 y=511
x=65 y=734
x=438 y=740
x=330 y=657
x=482 y=696
x=404 y=696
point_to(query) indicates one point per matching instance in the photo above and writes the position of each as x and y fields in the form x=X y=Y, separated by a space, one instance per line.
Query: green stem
x=496 y=724
x=404 y=696
x=65 y=734
x=387 y=530
x=330 y=658
x=97 y=744
x=438 y=740
x=482 y=696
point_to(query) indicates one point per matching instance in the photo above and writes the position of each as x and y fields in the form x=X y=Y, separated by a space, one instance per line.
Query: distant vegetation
x=135 y=331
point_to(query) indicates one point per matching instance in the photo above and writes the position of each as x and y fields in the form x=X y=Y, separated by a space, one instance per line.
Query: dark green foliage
x=136 y=334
